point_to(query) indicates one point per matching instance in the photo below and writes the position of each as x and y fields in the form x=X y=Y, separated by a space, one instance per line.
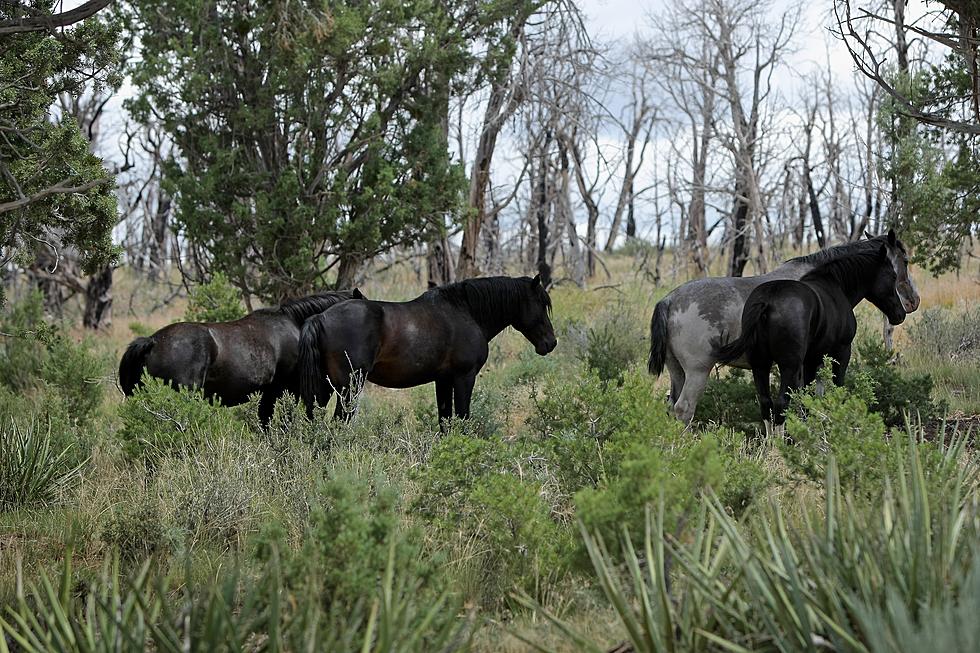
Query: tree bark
x=98 y=300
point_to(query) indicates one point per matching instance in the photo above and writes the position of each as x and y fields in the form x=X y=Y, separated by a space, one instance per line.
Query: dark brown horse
x=441 y=336
x=229 y=360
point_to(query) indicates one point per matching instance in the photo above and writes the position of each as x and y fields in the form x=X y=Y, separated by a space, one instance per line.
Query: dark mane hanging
x=491 y=300
x=303 y=307
x=848 y=263
x=839 y=251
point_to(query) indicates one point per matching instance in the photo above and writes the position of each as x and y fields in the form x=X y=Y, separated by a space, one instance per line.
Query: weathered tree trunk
x=501 y=105
x=98 y=300
x=347 y=269
x=541 y=212
x=740 y=249
x=439 y=263
x=591 y=209
x=159 y=230
x=630 y=215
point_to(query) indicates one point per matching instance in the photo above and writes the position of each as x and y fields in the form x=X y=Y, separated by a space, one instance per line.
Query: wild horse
x=794 y=324
x=230 y=360
x=441 y=336
x=705 y=311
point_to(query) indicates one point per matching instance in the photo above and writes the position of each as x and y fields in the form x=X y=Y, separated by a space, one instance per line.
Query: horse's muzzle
x=546 y=347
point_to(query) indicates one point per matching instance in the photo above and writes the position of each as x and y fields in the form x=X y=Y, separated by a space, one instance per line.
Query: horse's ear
x=867 y=235
x=432 y=284
x=536 y=281
x=891 y=237
x=356 y=294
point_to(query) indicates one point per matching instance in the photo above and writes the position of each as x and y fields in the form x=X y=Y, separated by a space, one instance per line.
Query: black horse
x=230 y=360
x=794 y=324
x=441 y=336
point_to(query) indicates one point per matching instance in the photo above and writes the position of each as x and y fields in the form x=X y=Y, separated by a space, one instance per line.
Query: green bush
x=22 y=354
x=837 y=424
x=354 y=528
x=38 y=358
x=215 y=301
x=613 y=344
x=895 y=395
x=158 y=420
x=136 y=532
x=471 y=491
x=948 y=334
x=33 y=472
x=730 y=401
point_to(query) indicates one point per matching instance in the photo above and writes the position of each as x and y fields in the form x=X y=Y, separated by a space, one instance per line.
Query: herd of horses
x=332 y=342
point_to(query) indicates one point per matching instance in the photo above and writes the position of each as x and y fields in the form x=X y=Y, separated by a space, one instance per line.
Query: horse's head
x=893 y=290
x=534 y=320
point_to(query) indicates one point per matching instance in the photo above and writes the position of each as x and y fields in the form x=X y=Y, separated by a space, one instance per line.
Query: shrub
x=948 y=334
x=215 y=301
x=730 y=401
x=38 y=357
x=135 y=531
x=837 y=424
x=613 y=344
x=22 y=354
x=76 y=371
x=471 y=492
x=895 y=394
x=32 y=471
x=158 y=420
x=353 y=524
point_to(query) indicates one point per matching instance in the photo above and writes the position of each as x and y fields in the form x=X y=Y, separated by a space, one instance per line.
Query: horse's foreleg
x=841 y=358
x=267 y=404
x=463 y=393
x=444 y=402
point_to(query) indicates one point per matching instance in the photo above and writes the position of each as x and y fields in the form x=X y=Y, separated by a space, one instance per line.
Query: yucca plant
x=860 y=577
x=234 y=613
x=32 y=471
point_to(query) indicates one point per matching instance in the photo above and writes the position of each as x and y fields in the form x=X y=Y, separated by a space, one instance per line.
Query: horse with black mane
x=709 y=310
x=439 y=337
x=794 y=324
x=230 y=360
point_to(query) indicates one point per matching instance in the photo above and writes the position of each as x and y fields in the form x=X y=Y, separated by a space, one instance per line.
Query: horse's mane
x=303 y=307
x=491 y=300
x=847 y=263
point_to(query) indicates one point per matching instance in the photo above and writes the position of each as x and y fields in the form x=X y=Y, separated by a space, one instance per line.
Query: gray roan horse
x=230 y=360
x=692 y=319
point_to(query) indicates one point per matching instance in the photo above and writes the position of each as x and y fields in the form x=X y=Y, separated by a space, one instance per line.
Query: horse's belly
x=402 y=375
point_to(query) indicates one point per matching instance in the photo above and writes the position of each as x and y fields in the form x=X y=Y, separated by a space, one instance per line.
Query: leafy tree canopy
x=53 y=190
x=311 y=136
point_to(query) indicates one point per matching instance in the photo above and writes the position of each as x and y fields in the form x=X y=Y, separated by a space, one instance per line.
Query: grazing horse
x=229 y=360
x=705 y=311
x=441 y=336
x=794 y=324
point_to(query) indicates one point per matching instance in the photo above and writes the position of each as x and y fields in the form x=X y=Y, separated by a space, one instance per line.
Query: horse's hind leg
x=760 y=375
x=687 y=400
x=677 y=377
x=790 y=379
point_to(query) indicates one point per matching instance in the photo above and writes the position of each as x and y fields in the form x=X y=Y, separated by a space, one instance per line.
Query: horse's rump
x=132 y=364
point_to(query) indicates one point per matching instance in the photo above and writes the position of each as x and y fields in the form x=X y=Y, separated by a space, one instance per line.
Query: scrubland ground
x=570 y=513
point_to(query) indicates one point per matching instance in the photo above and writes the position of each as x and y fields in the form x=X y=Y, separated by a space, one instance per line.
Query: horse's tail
x=658 y=337
x=753 y=317
x=312 y=380
x=132 y=364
